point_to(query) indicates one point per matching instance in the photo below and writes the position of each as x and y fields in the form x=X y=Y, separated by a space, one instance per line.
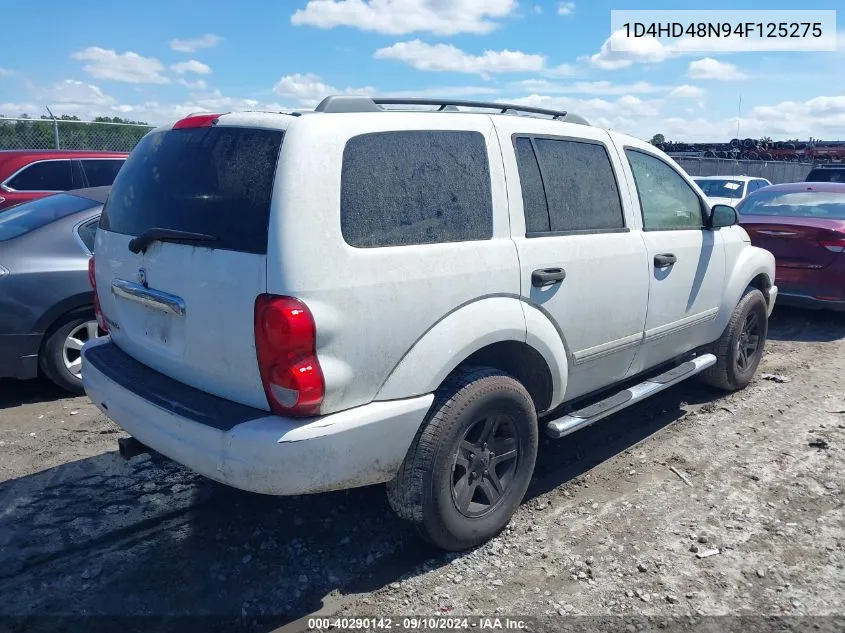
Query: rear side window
x=826 y=175
x=50 y=175
x=30 y=216
x=216 y=181
x=415 y=187
x=99 y=172
x=88 y=233
x=577 y=183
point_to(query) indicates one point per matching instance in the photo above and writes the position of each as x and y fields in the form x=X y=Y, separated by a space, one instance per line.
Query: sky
x=159 y=60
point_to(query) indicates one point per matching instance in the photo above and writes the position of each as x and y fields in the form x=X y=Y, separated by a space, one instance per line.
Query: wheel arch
x=500 y=332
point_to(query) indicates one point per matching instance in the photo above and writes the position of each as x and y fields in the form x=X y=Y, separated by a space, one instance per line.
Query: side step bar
x=576 y=420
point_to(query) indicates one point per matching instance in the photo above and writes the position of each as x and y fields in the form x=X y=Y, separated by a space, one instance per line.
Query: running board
x=584 y=417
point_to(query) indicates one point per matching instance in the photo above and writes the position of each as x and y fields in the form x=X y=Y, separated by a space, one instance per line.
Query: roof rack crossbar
x=368 y=104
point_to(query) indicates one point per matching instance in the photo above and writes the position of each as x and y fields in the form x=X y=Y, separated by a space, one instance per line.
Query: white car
x=729 y=190
x=360 y=295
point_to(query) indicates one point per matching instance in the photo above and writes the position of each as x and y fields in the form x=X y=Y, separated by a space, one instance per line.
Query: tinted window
x=533 y=195
x=101 y=173
x=826 y=175
x=52 y=175
x=32 y=215
x=216 y=181
x=802 y=204
x=667 y=201
x=400 y=188
x=87 y=233
x=580 y=186
x=722 y=188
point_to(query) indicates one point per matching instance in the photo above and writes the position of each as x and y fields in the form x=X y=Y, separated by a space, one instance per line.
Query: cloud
x=641 y=50
x=565 y=8
x=308 y=89
x=449 y=58
x=687 y=92
x=129 y=67
x=597 y=111
x=709 y=68
x=400 y=17
x=5 y=72
x=199 y=84
x=191 y=66
x=538 y=9
x=209 y=40
x=72 y=91
x=589 y=87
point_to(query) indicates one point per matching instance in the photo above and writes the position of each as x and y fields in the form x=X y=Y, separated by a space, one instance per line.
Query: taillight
x=833 y=242
x=285 y=342
x=92 y=279
x=196 y=120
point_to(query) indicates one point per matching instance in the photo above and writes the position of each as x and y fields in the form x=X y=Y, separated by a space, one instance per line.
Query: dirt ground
x=615 y=522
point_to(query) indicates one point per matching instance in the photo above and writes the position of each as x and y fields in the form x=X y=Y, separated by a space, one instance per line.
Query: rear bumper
x=19 y=355
x=248 y=448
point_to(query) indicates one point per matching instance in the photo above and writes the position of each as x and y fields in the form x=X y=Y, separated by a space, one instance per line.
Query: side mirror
x=722 y=215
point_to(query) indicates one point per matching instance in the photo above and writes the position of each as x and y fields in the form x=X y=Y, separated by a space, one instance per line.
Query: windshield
x=826 y=175
x=799 y=204
x=216 y=181
x=721 y=188
x=33 y=215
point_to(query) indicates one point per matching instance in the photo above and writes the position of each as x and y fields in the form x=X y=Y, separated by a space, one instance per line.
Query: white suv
x=364 y=294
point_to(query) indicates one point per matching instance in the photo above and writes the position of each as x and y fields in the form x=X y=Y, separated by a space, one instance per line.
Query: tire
x=732 y=370
x=53 y=351
x=449 y=463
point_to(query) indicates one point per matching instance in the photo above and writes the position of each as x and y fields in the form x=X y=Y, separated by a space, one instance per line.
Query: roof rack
x=349 y=103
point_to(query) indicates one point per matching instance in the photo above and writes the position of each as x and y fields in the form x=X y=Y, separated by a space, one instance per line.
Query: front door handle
x=664 y=260
x=547 y=277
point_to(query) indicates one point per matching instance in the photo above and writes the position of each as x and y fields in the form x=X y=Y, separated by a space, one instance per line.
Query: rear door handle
x=664 y=260
x=547 y=277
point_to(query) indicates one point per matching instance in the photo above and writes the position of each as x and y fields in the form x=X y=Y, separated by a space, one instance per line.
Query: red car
x=29 y=174
x=803 y=225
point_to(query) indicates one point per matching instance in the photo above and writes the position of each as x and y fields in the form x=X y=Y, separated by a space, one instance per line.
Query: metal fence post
x=55 y=127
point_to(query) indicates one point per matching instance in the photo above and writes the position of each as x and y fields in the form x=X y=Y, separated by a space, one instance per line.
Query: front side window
x=49 y=175
x=667 y=201
x=415 y=187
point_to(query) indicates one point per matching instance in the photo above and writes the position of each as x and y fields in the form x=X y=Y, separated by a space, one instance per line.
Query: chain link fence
x=48 y=133
x=775 y=172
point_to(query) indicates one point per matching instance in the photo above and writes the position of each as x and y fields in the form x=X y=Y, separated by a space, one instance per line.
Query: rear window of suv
x=217 y=181
x=826 y=175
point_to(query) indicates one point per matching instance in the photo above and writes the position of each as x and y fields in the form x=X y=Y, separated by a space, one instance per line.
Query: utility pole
x=55 y=127
x=738 y=114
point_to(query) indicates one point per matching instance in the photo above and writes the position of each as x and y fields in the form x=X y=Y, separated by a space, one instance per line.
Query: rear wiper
x=139 y=244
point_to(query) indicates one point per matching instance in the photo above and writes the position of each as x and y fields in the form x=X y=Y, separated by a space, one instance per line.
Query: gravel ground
x=690 y=504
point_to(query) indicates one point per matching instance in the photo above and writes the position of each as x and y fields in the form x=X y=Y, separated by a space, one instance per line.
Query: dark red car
x=29 y=174
x=803 y=225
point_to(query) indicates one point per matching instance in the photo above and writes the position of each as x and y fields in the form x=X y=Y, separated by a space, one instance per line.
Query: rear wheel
x=61 y=355
x=471 y=463
x=740 y=348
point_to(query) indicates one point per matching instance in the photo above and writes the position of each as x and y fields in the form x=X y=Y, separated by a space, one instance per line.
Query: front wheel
x=740 y=348
x=471 y=462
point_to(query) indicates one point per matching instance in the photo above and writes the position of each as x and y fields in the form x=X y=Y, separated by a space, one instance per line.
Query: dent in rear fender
x=449 y=342
x=750 y=262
